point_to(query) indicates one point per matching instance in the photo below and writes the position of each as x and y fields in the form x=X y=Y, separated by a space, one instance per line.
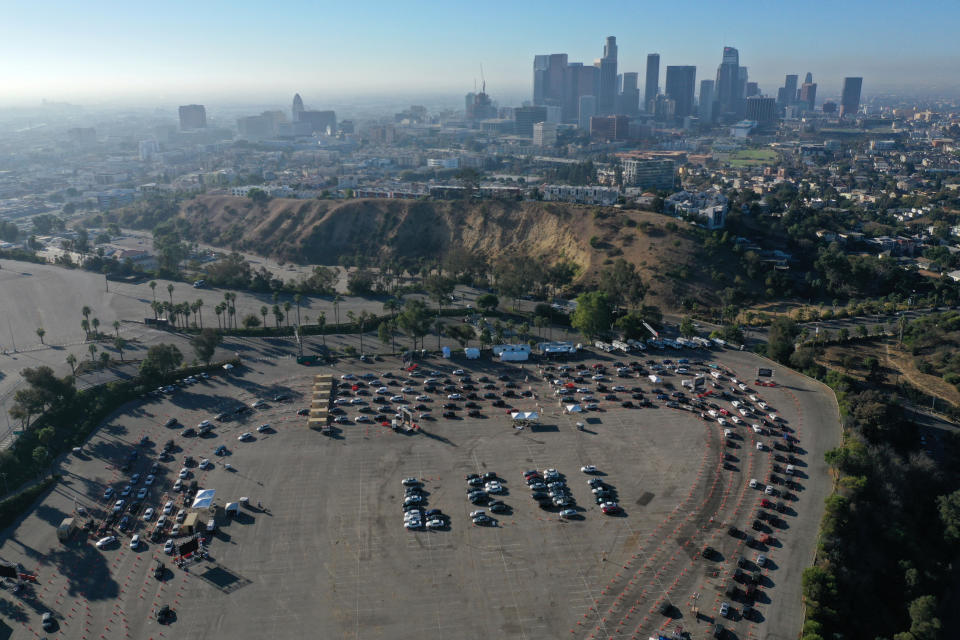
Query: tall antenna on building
x=483 y=82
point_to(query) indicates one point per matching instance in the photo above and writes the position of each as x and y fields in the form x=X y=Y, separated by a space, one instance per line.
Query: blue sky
x=214 y=50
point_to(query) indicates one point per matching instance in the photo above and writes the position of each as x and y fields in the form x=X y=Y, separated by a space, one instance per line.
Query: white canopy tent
x=204 y=499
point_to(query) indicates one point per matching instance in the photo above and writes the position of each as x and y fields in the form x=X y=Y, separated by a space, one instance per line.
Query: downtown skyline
x=108 y=52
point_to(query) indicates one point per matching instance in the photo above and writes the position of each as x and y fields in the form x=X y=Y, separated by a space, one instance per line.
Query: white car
x=727 y=433
x=135 y=542
x=757 y=429
x=721 y=421
x=263 y=428
x=436 y=523
x=735 y=420
x=243 y=437
x=744 y=411
x=412 y=524
x=178 y=485
x=407 y=390
x=168 y=546
x=148 y=514
x=478 y=512
x=754 y=484
x=357 y=401
x=762 y=404
x=753 y=398
x=768 y=490
x=168 y=508
x=774 y=417
x=458 y=372
x=382 y=391
x=568 y=513
x=598 y=376
x=362 y=418
x=760 y=446
x=205 y=423
x=396 y=398
x=205 y=463
x=258 y=404
x=348 y=376
x=422 y=398
x=141 y=493
x=589 y=468
x=149 y=480
x=493 y=487
x=454 y=396
x=591 y=406
x=582 y=389
x=184 y=472
x=175 y=530
x=342 y=401
x=103 y=542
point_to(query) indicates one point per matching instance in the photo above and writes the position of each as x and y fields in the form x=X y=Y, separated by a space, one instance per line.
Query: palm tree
x=96 y=327
x=104 y=360
x=119 y=344
x=85 y=325
x=72 y=361
x=286 y=310
x=322 y=323
x=337 y=299
x=219 y=311
x=277 y=314
x=170 y=291
x=232 y=312
x=297 y=298
x=116 y=327
x=153 y=288
x=93 y=351
x=264 y=311
x=40 y=333
x=199 y=304
x=86 y=312
x=393 y=305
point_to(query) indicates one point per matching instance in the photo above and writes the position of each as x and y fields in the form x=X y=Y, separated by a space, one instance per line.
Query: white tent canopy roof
x=204 y=499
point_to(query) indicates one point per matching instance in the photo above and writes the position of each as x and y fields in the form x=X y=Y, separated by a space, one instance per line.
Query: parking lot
x=326 y=553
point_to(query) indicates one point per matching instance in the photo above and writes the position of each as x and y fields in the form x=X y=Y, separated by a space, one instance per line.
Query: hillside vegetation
x=411 y=232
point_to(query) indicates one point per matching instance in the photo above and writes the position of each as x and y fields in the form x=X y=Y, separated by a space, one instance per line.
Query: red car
x=767 y=539
x=766 y=503
x=610 y=508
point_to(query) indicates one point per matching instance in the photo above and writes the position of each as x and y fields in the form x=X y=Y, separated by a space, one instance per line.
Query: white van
x=211 y=525
x=727 y=433
x=232 y=509
x=790 y=469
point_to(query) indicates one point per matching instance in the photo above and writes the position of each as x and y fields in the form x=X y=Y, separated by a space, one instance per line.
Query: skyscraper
x=762 y=110
x=297 y=107
x=681 y=83
x=788 y=94
x=608 y=76
x=541 y=65
x=194 y=116
x=808 y=78
x=850 y=97
x=652 y=81
x=706 y=101
x=808 y=94
x=587 y=110
x=729 y=88
x=629 y=98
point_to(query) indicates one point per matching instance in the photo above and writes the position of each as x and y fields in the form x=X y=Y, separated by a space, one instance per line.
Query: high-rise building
x=649 y=173
x=587 y=110
x=192 y=116
x=728 y=86
x=706 y=102
x=652 y=81
x=762 y=110
x=629 y=94
x=788 y=93
x=322 y=122
x=297 y=108
x=608 y=76
x=808 y=78
x=526 y=117
x=544 y=134
x=610 y=127
x=541 y=67
x=482 y=107
x=752 y=89
x=680 y=86
x=850 y=97
x=808 y=94
x=582 y=80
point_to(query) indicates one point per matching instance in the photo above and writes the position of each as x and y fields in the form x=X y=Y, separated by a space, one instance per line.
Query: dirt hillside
x=320 y=231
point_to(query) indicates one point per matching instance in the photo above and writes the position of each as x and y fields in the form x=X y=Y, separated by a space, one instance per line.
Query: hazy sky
x=215 y=51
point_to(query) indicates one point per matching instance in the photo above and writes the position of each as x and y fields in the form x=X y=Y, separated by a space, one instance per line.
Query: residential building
x=708 y=208
x=649 y=173
x=192 y=116
x=544 y=134
x=580 y=194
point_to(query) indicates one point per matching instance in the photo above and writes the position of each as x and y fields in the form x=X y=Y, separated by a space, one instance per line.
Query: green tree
x=487 y=302
x=949 y=509
x=622 y=283
x=297 y=298
x=386 y=332
x=415 y=320
x=322 y=324
x=116 y=328
x=251 y=321
x=170 y=291
x=72 y=361
x=40 y=456
x=120 y=344
x=160 y=360
x=780 y=339
x=205 y=344
x=462 y=333
x=92 y=348
x=153 y=289
x=687 y=329
x=277 y=314
x=593 y=314
x=40 y=333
